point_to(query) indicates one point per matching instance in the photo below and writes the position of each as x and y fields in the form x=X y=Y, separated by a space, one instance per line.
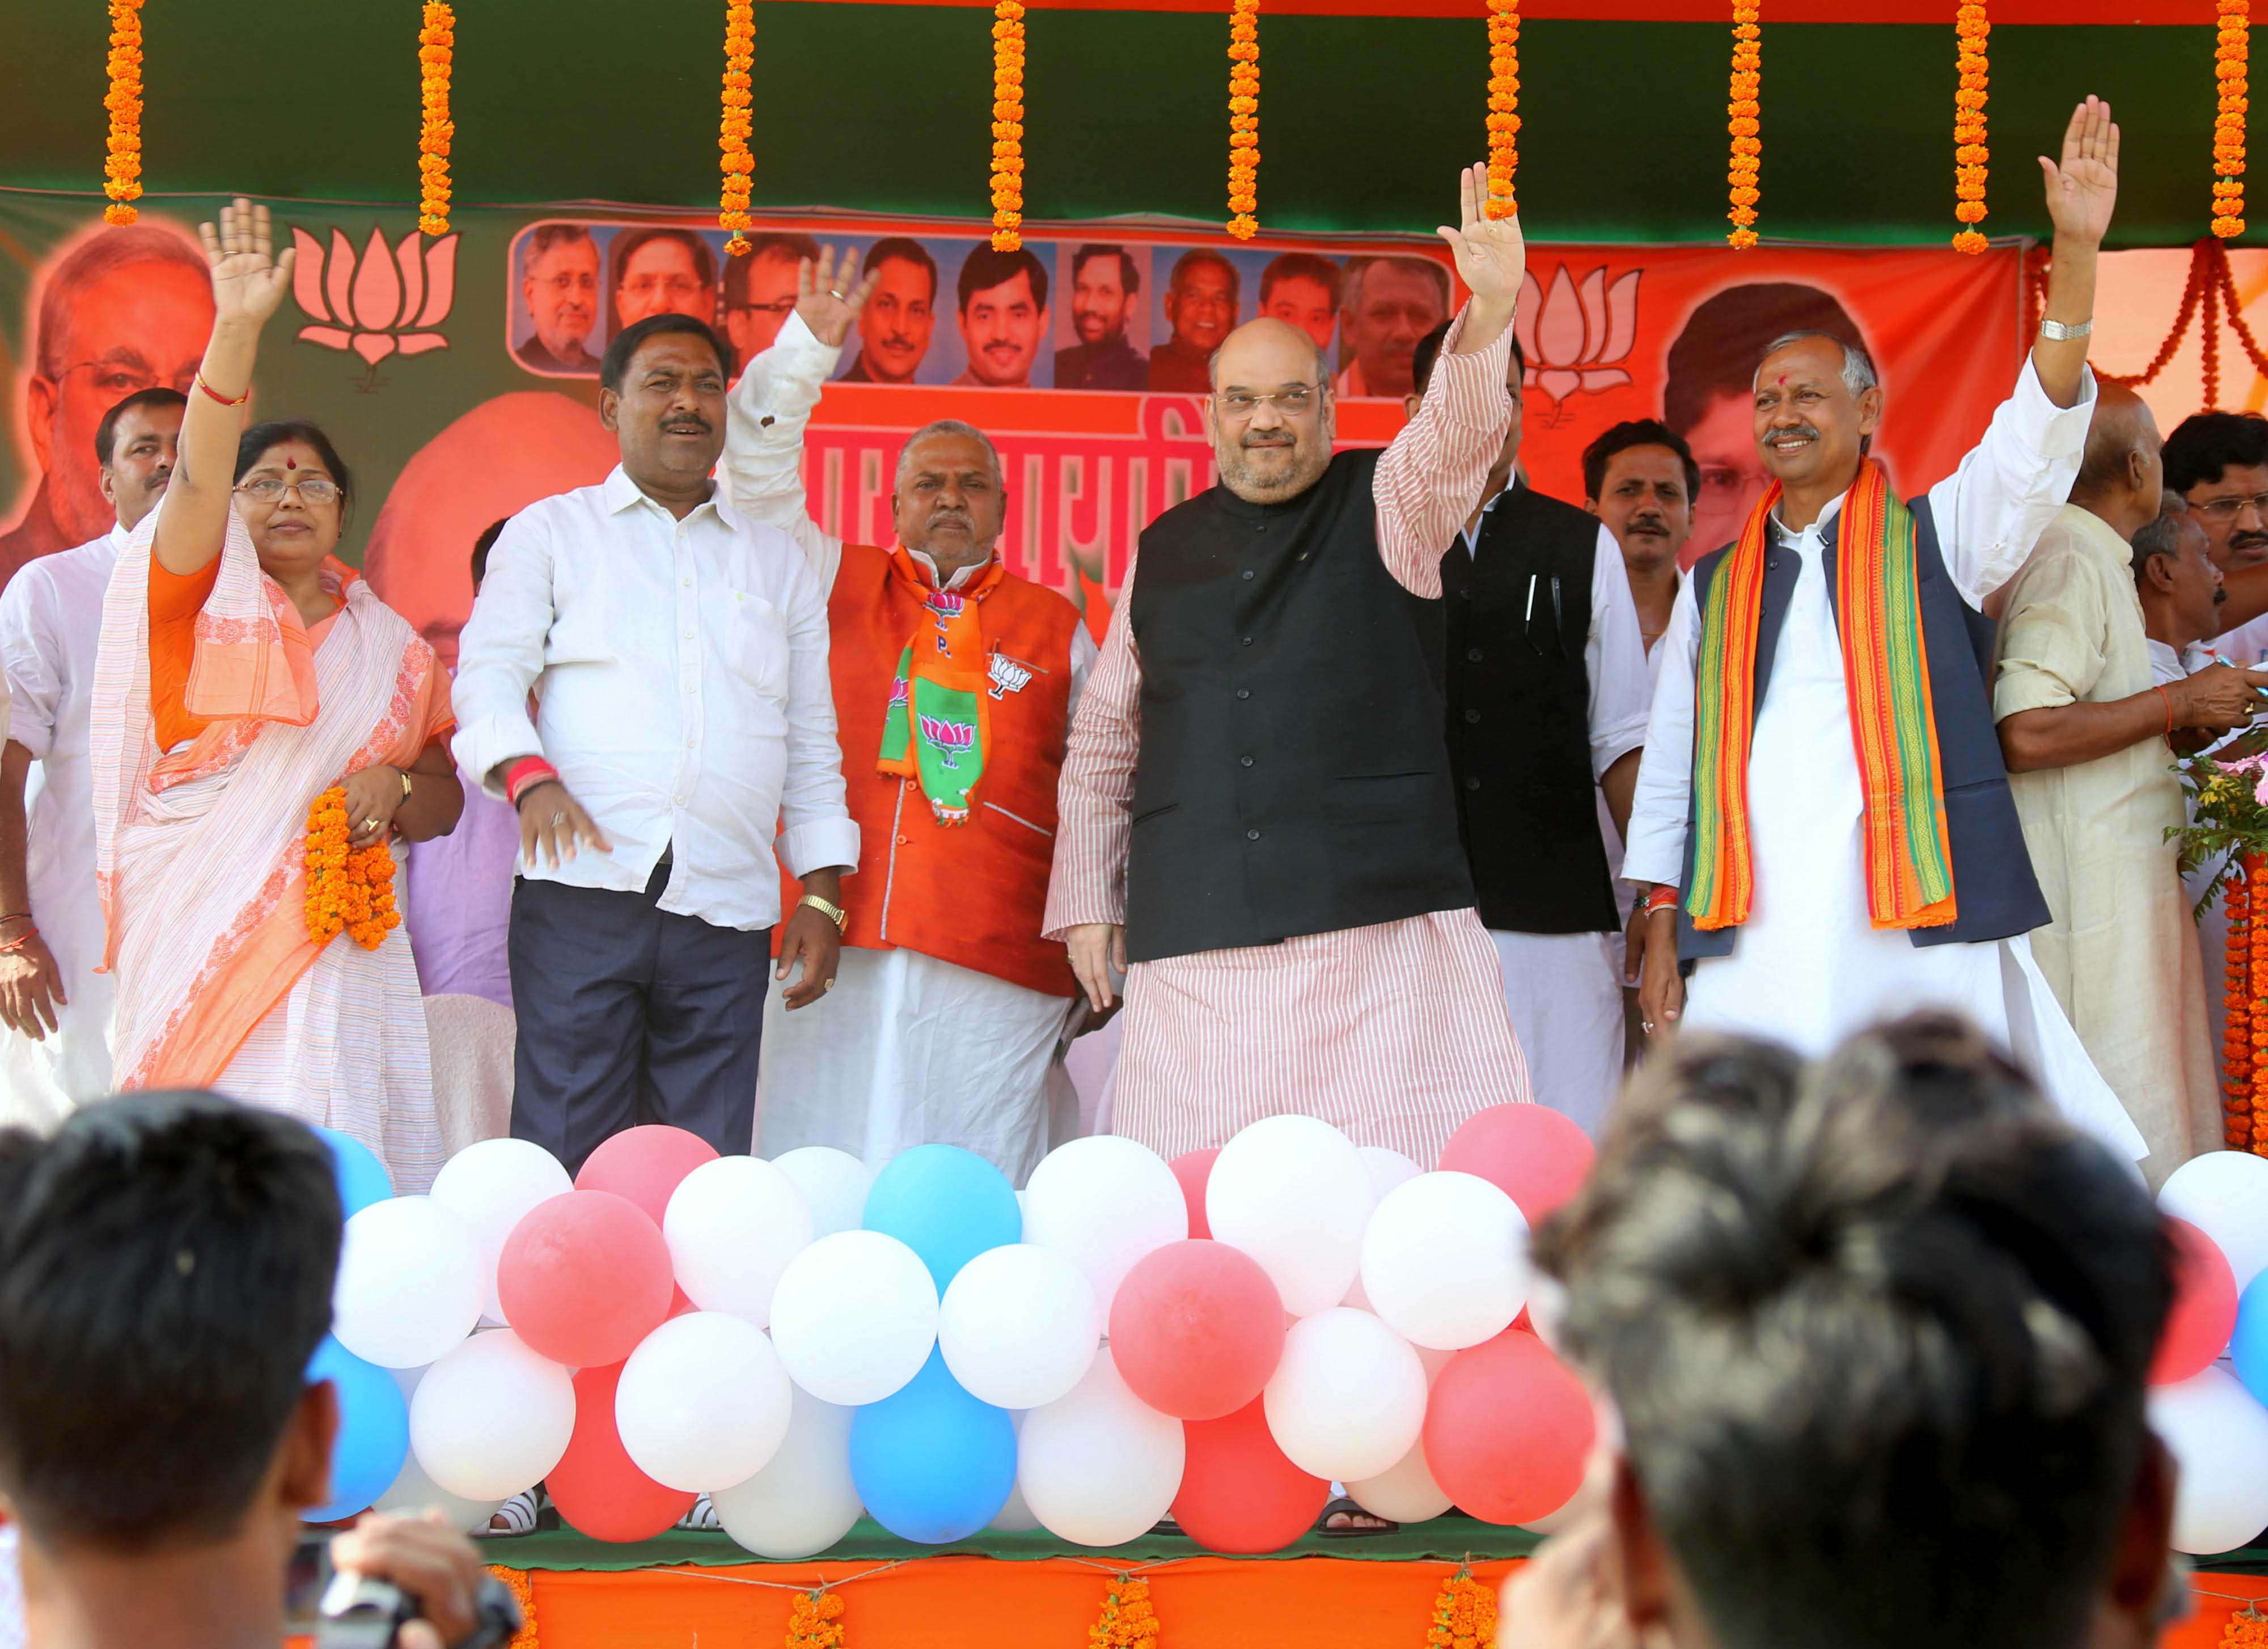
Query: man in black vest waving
x=1256 y=809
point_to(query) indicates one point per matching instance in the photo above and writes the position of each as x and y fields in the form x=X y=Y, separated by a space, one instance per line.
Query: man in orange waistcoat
x=954 y=683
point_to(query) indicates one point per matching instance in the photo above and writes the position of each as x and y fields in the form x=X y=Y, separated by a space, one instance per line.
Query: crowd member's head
x=1709 y=389
x=895 y=327
x=1422 y=361
x=1004 y=314
x=1818 y=403
x=2217 y=462
x=2176 y=577
x=294 y=494
x=1391 y=302
x=759 y=292
x=1201 y=300
x=661 y=394
x=1639 y=478
x=135 y=445
x=482 y=546
x=660 y=272
x=1271 y=414
x=1105 y=285
x=1876 y=1337
x=949 y=498
x=559 y=283
x=2121 y=478
x=1302 y=287
x=128 y=309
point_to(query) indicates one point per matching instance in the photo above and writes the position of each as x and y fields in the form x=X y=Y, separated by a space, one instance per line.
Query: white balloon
x=702 y=1403
x=1348 y=1401
x=2225 y=1195
x=491 y=1418
x=1016 y=1517
x=1445 y=1261
x=409 y=1285
x=492 y=1186
x=803 y=1501
x=1103 y=1202
x=1405 y=1492
x=1387 y=1168
x=854 y=1317
x=733 y=1226
x=1293 y=1193
x=834 y=1183
x=1017 y=1326
x=2218 y=1433
x=414 y=1491
x=1099 y=1468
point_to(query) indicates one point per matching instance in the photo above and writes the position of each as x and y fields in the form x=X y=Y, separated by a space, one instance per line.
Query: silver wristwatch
x=2057 y=332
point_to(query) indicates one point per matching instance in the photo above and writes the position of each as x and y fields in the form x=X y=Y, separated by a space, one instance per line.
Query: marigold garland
x=1127 y=1621
x=814 y=1621
x=1744 y=122
x=2247 y=1629
x=2255 y=1137
x=121 y=170
x=436 y=43
x=1244 y=118
x=735 y=127
x=349 y=888
x=2236 y=1041
x=2228 y=125
x=1007 y=126
x=1464 y=1614
x=1969 y=155
x=1504 y=105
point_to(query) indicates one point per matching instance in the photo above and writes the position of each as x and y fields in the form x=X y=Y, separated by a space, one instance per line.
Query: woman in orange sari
x=243 y=671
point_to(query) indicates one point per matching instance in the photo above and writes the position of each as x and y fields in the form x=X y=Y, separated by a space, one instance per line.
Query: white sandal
x=703 y=1518
x=515 y=1517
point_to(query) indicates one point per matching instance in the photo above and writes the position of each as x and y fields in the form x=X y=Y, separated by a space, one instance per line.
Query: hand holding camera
x=413 y=1582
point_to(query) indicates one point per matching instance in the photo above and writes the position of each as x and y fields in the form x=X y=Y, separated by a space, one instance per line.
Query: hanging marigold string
x=2247 y=1629
x=1127 y=1621
x=1504 y=105
x=1745 y=122
x=814 y=1621
x=2255 y=866
x=349 y=888
x=121 y=170
x=1464 y=1614
x=1971 y=158
x=437 y=42
x=2210 y=292
x=1007 y=126
x=2236 y=1009
x=1243 y=118
x=2228 y=125
x=735 y=127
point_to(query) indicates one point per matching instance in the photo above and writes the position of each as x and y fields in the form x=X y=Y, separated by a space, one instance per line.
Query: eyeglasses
x=562 y=284
x=778 y=306
x=2225 y=510
x=653 y=285
x=1242 y=403
x=313 y=490
x=120 y=378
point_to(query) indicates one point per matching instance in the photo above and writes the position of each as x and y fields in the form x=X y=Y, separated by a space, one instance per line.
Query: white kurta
x=1808 y=968
x=50 y=624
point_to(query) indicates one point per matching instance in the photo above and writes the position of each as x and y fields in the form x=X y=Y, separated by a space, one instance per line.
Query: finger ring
x=371 y=823
x=829 y=985
x=831 y=292
x=1646 y=1026
x=559 y=818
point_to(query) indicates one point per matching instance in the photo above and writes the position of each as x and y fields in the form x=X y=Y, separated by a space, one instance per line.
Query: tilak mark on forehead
x=290 y=462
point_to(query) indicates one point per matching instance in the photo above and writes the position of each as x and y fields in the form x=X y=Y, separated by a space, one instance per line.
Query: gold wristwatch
x=833 y=913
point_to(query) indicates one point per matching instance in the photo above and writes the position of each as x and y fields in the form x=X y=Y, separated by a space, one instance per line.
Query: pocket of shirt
x=755 y=643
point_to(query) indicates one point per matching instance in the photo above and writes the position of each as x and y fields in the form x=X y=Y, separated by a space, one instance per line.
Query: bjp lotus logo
x=1574 y=337
x=379 y=303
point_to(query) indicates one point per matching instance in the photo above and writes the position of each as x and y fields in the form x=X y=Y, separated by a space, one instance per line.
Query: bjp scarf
x=1886 y=673
x=939 y=724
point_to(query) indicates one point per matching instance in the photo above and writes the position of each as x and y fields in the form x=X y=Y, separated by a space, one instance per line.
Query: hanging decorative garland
x=121 y=170
x=1464 y=1614
x=2229 y=828
x=1007 y=126
x=2228 y=125
x=436 y=44
x=1971 y=158
x=1127 y=1621
x=1745 y=123
x=1503 y=106
x=814 y=1621
x=1244 y=118
x=734 y=127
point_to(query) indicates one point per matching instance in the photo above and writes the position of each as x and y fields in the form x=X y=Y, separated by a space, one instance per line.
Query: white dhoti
x=1565 y=994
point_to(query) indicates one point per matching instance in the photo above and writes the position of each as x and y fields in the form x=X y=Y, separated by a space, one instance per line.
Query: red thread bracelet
x=18 y=942
x=217 y=395
x=525 y=774
x=2169 y=709
x=1661 y=898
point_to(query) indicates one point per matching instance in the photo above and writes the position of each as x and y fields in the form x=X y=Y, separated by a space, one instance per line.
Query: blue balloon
x=362 y=1176
x=373 y=1437
x=948 y=1205
x=2249 y=1346
x=932 y=1463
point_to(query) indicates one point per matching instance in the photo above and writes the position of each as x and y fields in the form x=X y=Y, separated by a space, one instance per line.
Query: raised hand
x=248 y=280
x=1490 y=253
x=826 y=297
x=2082 y=191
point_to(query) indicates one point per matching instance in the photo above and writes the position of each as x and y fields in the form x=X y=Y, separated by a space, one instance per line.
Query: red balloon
x=2205 y=1307
x=1193 y=1168
x=1239 y=1494
x=583 y=1277
x=1530 y=1153
x=1197 y=1329
x=1508 y=1430
x=645 y=1164
x=594 y=1485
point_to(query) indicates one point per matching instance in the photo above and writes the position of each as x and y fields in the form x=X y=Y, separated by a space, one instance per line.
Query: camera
x=340 y=1609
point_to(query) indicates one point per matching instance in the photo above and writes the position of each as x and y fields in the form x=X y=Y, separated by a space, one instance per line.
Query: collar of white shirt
x=619 y=492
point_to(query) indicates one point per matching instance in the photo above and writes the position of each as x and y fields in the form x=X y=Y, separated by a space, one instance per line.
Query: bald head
x=2120 y=478
x=1263 y=353
x=1269 y=414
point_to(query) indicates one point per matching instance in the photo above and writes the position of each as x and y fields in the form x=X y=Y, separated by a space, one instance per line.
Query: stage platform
x=1010 y=1591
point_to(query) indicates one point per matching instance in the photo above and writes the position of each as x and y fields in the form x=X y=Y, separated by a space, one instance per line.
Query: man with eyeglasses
x=128 y=309
x=1258 y=827
x=2218 y=463
x=559 y=284
x=759 y=291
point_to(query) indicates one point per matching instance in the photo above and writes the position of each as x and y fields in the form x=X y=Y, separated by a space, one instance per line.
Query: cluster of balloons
x=2216 y=1423
x=1221 y=1337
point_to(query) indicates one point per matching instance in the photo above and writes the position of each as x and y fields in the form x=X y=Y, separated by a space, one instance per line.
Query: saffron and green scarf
x=1886 y=670
x=939 y=724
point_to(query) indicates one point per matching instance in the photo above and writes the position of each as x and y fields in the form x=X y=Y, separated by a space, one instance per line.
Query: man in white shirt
x=56 y=1054
x=678 y=653
x=2217 y=463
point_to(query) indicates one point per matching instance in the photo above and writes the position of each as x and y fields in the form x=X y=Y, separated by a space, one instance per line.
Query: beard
x=1269 y=466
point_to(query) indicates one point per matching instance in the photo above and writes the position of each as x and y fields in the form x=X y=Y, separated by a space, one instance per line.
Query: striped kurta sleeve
x=1432 y=476
x=1096 y=796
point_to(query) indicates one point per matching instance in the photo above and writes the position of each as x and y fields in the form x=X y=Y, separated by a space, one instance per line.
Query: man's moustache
x=1259 y=439
x=1649 y=524
x=2246 y=541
